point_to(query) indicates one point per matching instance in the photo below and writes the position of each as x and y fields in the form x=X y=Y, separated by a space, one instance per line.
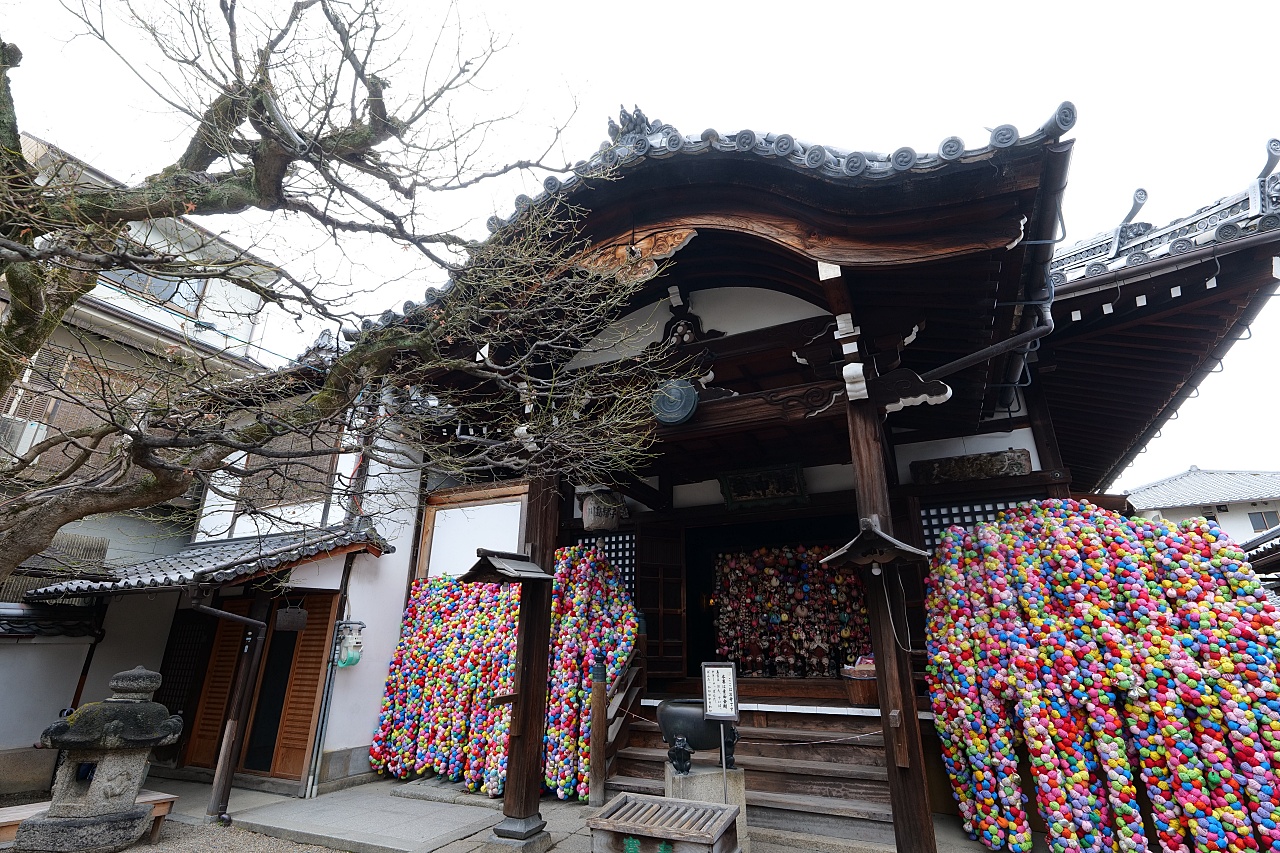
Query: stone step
x=849 y=747
x=810 y=778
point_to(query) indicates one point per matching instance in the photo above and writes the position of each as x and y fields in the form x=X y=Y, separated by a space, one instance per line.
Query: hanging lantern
x=291 y=618
x=602 y=508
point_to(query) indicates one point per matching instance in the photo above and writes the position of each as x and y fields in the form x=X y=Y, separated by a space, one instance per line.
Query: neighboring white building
x=63 y=652
x=1244 y=503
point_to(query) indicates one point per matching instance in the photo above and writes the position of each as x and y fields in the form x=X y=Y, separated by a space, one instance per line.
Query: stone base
x=101 y=834
x=706 y=785
x=539 y=842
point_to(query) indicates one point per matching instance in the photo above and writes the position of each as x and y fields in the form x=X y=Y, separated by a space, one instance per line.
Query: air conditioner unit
x=17 y=435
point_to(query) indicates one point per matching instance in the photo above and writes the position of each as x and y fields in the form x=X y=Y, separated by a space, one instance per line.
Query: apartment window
x=303 y=474
x=26 y=406
x=1263 y=520
x=181 y=293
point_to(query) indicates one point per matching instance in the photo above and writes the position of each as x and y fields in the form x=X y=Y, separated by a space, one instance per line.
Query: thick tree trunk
x=28 y=523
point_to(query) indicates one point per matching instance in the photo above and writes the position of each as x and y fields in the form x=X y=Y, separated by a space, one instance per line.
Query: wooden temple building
x=893 y=344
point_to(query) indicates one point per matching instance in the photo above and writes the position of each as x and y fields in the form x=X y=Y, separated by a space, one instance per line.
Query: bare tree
x=291 y=114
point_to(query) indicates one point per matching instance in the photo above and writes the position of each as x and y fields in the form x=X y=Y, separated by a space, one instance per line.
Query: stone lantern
x=94 y=808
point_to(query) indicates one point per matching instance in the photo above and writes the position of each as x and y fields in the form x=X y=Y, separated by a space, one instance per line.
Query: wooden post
x=238 y=704
x=522 y=819
x=599 y=732
x=908 y=789
x=1045 y=437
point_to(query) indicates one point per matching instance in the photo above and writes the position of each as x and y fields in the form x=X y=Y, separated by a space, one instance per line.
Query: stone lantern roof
x=128 y=720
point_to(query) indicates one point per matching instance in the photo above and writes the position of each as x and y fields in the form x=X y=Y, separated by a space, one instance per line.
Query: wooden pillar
x=908 y=789
x=1045 y=437
x=522 y=819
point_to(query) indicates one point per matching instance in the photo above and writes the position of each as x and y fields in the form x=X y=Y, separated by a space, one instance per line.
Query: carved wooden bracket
x=900 y=388
x=639 y=259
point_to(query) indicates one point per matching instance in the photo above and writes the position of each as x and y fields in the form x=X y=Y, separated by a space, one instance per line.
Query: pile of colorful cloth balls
x=457 y=652
x=782 y=613
x=1118 y=656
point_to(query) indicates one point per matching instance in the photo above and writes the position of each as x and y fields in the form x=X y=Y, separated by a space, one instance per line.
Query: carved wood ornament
x=638 y=259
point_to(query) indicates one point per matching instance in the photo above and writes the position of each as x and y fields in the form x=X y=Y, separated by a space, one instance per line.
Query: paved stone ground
x=425 y=817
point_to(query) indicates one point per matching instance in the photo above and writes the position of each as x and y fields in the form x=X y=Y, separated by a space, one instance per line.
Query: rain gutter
x=1041 y=240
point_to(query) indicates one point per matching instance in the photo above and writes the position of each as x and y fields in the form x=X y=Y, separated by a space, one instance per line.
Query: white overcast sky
x=1177 y=97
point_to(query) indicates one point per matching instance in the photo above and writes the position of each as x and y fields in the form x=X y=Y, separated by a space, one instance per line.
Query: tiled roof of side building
x=1194 y=487
x=219 y=562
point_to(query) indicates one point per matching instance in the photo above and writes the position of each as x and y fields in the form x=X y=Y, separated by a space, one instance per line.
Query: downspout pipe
x=1040 y=240
x=317 y=748
x=233 y=731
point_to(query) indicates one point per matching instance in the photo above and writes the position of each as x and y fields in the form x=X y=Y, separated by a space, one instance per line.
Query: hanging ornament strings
x=457 y=653
x=1119 y=654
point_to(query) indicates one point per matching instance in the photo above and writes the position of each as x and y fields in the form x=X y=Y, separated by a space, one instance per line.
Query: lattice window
x=620 y=550
x=938 y=517
x=286 y=480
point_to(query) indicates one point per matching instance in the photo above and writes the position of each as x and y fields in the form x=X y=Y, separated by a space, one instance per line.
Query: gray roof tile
x=218 y=562
x=1196 y=487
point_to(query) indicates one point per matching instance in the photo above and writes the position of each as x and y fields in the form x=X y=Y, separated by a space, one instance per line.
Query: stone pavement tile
x=466 y=845
x=193 y=798
x=367 y=819
x=574 y=844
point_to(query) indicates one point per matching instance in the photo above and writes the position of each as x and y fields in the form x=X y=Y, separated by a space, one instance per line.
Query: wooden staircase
x=813 y=773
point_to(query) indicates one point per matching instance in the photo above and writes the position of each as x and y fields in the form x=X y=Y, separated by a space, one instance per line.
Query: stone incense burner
x=687 y=732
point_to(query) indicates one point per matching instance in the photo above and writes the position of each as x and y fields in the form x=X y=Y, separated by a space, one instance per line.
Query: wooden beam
x=908 y=786
x=751 y=412
x=639 y=490
x=1045 y=437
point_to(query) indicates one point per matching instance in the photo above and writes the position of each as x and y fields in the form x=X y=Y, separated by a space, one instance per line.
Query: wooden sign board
x=720 y=691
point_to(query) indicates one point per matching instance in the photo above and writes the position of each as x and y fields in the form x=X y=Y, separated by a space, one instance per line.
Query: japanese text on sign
x=720 y=691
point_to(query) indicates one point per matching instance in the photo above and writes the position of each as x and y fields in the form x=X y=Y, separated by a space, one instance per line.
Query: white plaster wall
x=945 y=448
x=132 y=539
x=39 y=678
x=135 y=630
x=318 y=574
x=705 y=493
x=731 y=310
x=734 y=310
x=1235 y=521
x=829 y=478
x=818 y=480
x=376 y=596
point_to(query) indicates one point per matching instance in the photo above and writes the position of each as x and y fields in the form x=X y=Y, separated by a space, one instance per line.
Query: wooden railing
x=613 y=707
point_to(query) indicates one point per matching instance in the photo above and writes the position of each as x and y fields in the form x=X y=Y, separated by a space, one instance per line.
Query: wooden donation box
x=637 y=823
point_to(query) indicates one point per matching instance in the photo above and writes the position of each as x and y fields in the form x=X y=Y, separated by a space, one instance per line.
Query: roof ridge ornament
x=1273 y=157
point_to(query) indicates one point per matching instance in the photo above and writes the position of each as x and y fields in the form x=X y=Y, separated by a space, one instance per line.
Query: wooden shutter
x=206 y=725
x=29 y=400
x=659 y=594
x=302 y=700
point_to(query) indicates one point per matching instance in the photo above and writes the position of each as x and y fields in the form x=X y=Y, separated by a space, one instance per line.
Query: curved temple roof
x=1253 y=210
x=638 y=138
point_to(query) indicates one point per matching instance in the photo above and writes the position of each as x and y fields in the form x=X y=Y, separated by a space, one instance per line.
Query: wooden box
x=645 y=824
x=862 y=691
